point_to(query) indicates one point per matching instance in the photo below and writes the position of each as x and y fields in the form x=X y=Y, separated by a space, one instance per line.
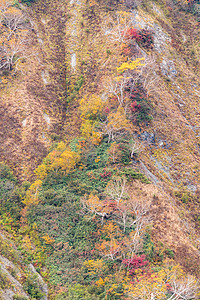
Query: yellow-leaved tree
x=61 y=158
x=66 y=161
x=128 y=74
x=94 y=267
x=32 y=194
x=133 y=65
x=91 y=107
x=89 y=131
x=116 y=124
x=112 y=246
x=41 y=171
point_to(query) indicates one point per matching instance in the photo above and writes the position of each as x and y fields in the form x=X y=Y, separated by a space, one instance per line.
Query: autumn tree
x=170 y=283
x=127 y=77
x=61 y=158
x=114 y=152
x=89 y=131
x=66 y=161
x=112 y=246
x=32 y=194
x=95 y=267
x=41 y=171
x=116 y=124
x=136 y=263
x=91 y=107
x=96 y=206
x=130 y=66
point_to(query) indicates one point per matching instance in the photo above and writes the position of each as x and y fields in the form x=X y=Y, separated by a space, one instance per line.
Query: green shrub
x=169 y=253
x=148 y=246
x=9 y=252
x=32 y=286
x=19 y=297
x=132 y=174
x=71 y=93
x=184 y=195
x=6 y=173
x=11 y=200
x=4 y=283
x=79 y=291
x=28 y=2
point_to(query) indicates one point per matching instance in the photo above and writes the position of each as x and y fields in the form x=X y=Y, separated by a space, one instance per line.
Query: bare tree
x=11 y=52
x=128 y=212
x=148 y=76
x=116 y=28
x=184 y=288
x=141 y=216
x=117 y=88
x=14 y=35
x=134 y=148
x=117 y=189
x=13 y=19
x=134 y=243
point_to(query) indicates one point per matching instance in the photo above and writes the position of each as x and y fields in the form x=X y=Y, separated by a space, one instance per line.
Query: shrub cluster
x=143 y=37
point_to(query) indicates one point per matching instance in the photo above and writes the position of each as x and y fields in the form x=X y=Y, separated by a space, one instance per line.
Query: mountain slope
x=107 y=103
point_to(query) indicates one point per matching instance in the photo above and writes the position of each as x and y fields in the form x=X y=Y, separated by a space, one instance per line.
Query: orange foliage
x=116 y=123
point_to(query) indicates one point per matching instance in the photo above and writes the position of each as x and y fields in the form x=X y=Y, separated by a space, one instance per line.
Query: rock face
x=5 y=266
x=7 y=295
x=16 y=287
x=12 y=284
x=42 y=284
x=13 y=274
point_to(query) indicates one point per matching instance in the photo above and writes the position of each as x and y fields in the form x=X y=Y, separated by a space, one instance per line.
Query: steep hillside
x=100 y=112
x=19 y=278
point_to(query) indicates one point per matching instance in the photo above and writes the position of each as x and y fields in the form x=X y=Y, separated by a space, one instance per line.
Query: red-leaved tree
x=136 y=263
